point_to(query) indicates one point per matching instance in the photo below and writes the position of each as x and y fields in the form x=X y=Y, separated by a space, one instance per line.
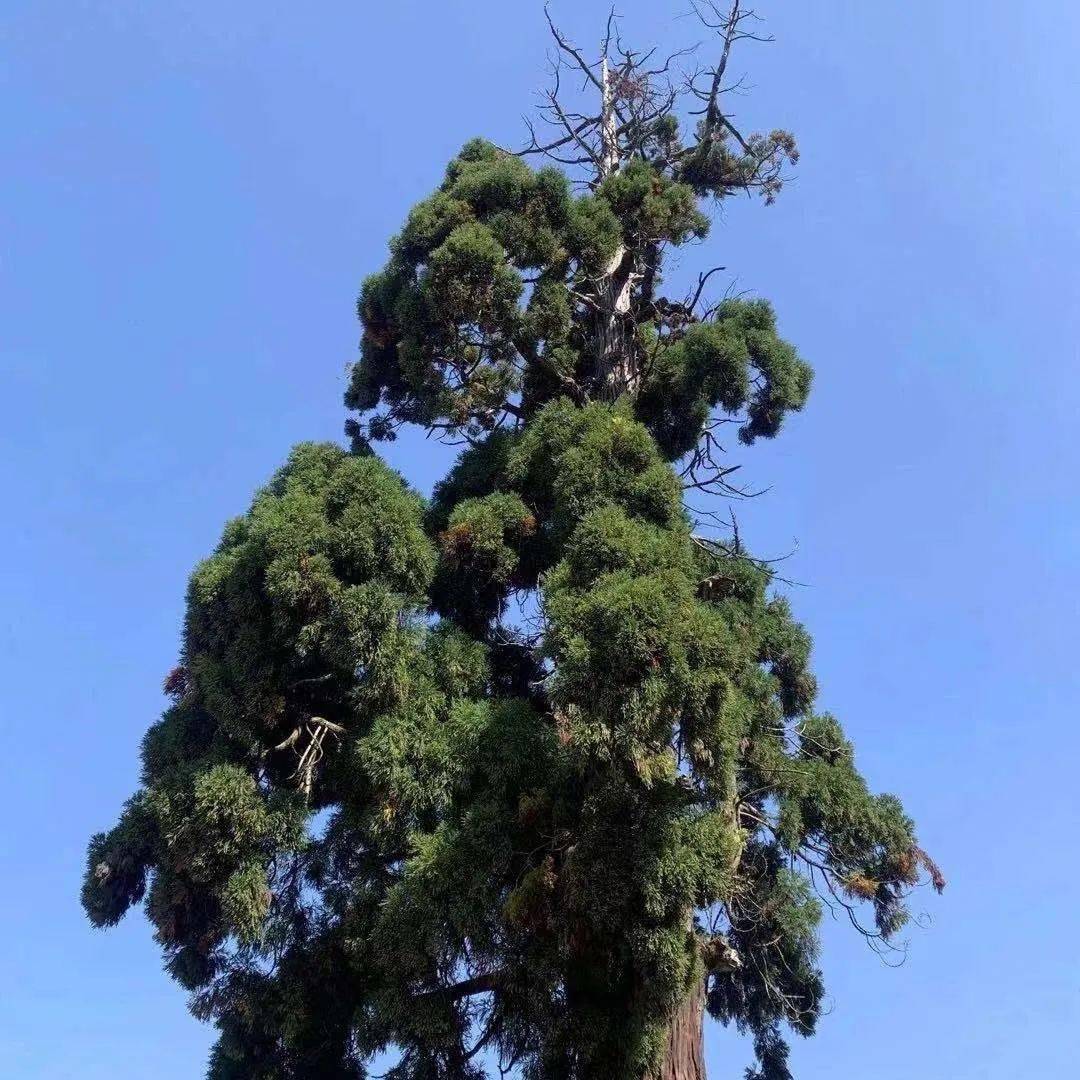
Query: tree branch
x=487 y=983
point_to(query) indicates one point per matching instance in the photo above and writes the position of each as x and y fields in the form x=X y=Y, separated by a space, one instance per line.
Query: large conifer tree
x=530 y=774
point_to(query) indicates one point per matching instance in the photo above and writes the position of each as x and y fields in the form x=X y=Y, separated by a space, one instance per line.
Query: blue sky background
x=190 y=194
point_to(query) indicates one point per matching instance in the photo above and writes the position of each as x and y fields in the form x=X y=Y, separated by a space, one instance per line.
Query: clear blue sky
x=190 y=193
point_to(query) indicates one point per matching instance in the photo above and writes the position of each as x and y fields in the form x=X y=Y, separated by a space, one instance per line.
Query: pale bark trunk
x=613 y=333
x=616 y=353
x=684 y=1054
x=608 y=127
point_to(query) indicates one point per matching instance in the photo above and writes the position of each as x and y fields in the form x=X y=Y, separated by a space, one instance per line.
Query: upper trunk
x=614 y=333
x=613 y=329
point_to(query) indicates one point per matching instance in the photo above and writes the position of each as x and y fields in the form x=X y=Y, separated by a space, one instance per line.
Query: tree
x=531 y=773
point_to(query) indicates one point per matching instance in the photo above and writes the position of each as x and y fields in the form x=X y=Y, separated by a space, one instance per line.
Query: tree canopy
x=529 y=773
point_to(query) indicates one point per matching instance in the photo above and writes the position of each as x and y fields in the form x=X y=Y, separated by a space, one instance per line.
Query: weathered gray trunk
x=614 y=345
x=614 y=333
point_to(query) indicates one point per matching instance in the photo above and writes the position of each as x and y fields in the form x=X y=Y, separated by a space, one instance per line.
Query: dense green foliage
x=520 y=771
x=482 y=302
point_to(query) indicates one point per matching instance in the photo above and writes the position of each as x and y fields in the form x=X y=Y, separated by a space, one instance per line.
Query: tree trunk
x=612 y=330
x=684 y=1055
x=614 y=344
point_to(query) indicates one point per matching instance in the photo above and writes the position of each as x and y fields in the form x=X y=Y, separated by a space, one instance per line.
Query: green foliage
x=306 y=589
x=379 y=812
x=480 y=558
x=735 y=362
x=306 y=613
x=481 y=305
